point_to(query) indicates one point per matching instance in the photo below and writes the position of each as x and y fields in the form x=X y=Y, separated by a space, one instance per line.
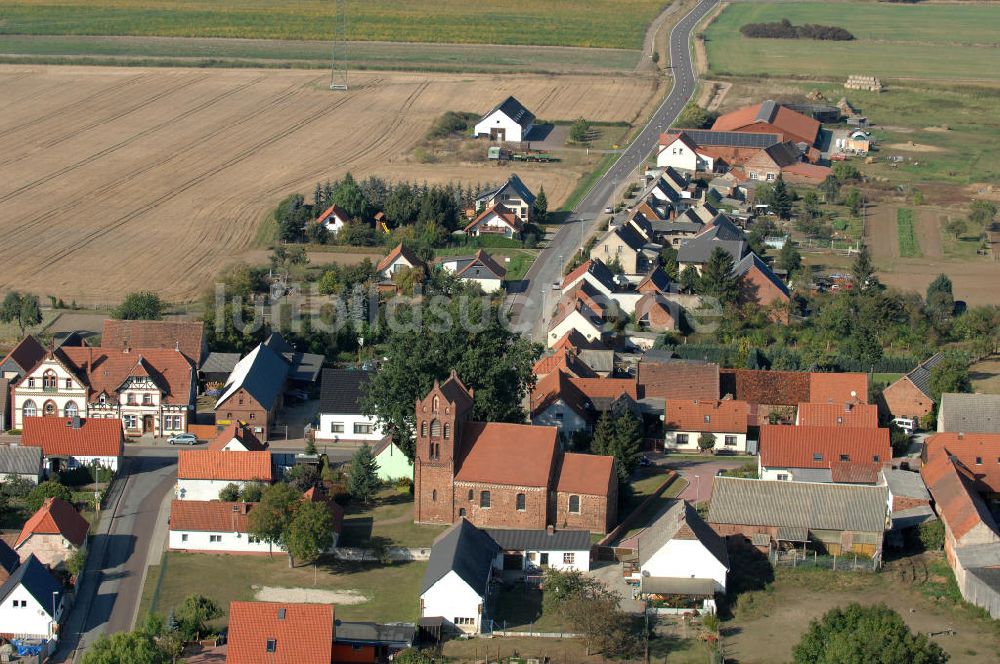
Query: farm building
x=822 y=454
x=253 y=392
x=22 y=462
x=832 y=518
x=969 y=413
x=509 y=121
x=457 y=580
x=770 y=117
x=666 y=377
x=533 y=551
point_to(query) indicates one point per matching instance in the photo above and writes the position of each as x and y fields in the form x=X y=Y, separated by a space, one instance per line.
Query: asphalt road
x=531 y=308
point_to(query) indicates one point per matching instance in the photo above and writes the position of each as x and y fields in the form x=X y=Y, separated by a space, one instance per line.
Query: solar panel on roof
x=732 y=139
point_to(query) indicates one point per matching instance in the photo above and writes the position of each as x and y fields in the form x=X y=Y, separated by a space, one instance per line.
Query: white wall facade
x=32 y=390
x=205 y=489
x=488 y=285
x=346 y=425
x=89 y=461
x=198 y=540
x=452 y=599
x=686 y=559
x=562 y=416
x=499 y=120
x=574 y=321
x=399 y=264
x=492 y=224
x=782 y=474
x=674 y=441
x=32 y=619
x=680 y=156
x=563 y=561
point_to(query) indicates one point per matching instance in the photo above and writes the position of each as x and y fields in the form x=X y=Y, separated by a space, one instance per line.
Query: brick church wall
x=502 y=512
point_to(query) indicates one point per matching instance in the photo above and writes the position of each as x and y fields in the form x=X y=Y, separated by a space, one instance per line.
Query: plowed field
x=113 y=180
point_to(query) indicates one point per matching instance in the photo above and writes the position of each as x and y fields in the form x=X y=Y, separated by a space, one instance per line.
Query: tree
x=781 y=199
x=348 y=195
x=668 y=257
x=579 y=132
x=830 y=188
x=853 y=201
x=230 y=493
x=141 y=305
x=718 y=279
x=76 y=563
x=689 y=279
x=863 y=272
x=955 y=227
x=940 y=298
x=193 y=615
x=22 y=310
x=789 y=258
x=706 y=441
x=269 y=521
x=844 y=171
x=362 y=478
x=857 y=634
x=619 y=434
x=292 y=215
x=951 y=374
x=931 y=535
x=982 y=213
x=694 y=116
x=810 y=204
x=541 y=207
x=302 y=477
x=47 y=489
x=251 y=492
x=310 y=532
x=133 y=647
x=589 y=608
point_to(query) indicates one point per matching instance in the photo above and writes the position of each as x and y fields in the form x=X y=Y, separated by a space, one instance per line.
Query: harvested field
x=881 y=233
x=155 y=178
x=985 y=375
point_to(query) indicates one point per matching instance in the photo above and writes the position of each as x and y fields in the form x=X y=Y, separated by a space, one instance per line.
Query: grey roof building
x=721 y=232
x=921 y=374
x=218 y=366
x=969 y=413
x=540 y=540
x=302 y=367
x=513 y=185
x=262 y=373
x=465 y=550
x=35 y=578
x=21 y=461
x=752 y=260
x=679 y=519
x=343 y=391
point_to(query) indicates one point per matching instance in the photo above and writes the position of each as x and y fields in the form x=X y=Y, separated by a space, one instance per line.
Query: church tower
x=438 y=428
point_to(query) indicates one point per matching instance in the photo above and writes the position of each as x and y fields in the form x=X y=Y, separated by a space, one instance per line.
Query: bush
x=451 y=122
x=48 y=489
x=82 y=475
x=784 y=29
x=931 y=535
x=580 y=131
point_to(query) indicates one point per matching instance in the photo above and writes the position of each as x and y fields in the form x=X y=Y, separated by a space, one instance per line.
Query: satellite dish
x=854 y=394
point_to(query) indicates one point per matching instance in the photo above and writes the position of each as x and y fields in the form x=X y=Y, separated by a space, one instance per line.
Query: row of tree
x=784 y=29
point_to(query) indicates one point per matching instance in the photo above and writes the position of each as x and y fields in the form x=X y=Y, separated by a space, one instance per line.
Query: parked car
x=609 y=210
x=907 y=425
x=300 y=395
x=183 y=439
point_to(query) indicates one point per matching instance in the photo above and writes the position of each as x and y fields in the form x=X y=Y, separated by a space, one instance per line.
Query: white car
x=183 y=439
x=609 y=210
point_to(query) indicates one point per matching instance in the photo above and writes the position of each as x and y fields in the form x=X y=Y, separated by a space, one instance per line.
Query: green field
x=605 y=23
x=892 y=41
x=908 y=245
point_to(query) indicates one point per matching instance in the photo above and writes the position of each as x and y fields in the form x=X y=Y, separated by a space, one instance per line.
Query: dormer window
x=845 y=457
x=708 y=419
x=817 y=456
x=103 y=400
x=272 y=645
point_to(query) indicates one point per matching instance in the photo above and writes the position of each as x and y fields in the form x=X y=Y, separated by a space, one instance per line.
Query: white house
x=495 y=220
x=685 y=420
x=508 y=121
x=594 y=272
x=513 y=195
x=557 y=402
x=584 y=309
x=457 y=579
x=202 y=474
x=400 y=258
x=31 y=602
x=680 y=151
x=342 y=393
x=479 y=269
x=71 y=442
x=536 y=550
x=237 y=437
x=393 y=464
x=680 y=547
x=334 y=218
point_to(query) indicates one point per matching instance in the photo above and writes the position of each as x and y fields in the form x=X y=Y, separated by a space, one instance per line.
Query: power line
x=338 y=60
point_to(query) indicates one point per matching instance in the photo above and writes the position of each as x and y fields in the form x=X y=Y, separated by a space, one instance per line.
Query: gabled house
x=186 y=336
x=686 y=420
x=680 y=151
x=595 y=273
x=759 y=284
x=969 y=413
x=52 y=534
x=71 y=442
x=280 y=633
x=236 y=437
x=509 y=121
x=656 y=313
x=566 y=360
x=777 y=393
x=479 y=269
x=770 y=117
x=621 y=245
x=22 y=358
x=836 y=454
x=582 y=309
x=341 y=416
x=253 y=392
x=400 y=258
x=557 y=402
x=722 y=233
x=513 y=195
x=32 y=603
x=23 y=462
x=784 y=160
x=457 y=580
x=202 y=474
x=849 y=414
x=656 y=282
x=671 y=378
x=679 y=554
x=835 y=519
x=533 y=551
x=909 y=500
x=334 y=218
x=393 y=464
x=150 y=391
x=910 y=396
x=496 y=220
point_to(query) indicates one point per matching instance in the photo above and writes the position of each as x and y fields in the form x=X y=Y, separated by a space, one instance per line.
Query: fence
x=848 y=563
x=669 y=478
x=400 y=553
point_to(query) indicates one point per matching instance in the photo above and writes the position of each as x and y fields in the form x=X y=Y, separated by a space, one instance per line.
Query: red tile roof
x=56 y=517
x=563 y=359
x=585 y=473
x=838 y=388
x=784 y=446
x=240 y=432
x=399 y=251
x=57 y=437
x=216 y=465
x=504 y=214
x=679 y=379
x=835 y=414
x=302 y=633
x=186 y=336
x=797 y=126
x=333 y=211
x=209 y=515
x=26 y=354
x=105 y=369
x=500 y=453
x=577 y=273
x=606 y=388
x=953 y=488
x=726 y=416
x=772 y=388
x=557 y=386
x=970 y=448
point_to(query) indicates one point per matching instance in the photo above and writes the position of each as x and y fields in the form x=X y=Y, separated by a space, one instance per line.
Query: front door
x=544 y=561
x=498 y=134
x=147 y=423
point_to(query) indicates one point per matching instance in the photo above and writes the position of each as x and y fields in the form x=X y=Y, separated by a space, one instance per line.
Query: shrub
x=784 y=29
x=451 y=122
x=931 y=535
x=48 y=489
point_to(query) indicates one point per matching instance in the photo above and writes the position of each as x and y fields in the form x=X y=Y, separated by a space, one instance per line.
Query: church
x=500 y=475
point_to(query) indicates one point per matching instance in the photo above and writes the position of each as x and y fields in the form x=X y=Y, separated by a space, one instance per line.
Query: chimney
x=75 y=422
x=550 y=530
x=177 y=346
x=961 y=435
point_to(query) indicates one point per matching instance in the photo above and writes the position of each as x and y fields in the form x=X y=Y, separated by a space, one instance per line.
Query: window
x=435 y=429
x=461 y=511
x=845 y=457
x=569 y=558
x=464 y=621
x=817 y=456
x=770 y=177
x=782 y=477
x=132 y=401
x=521 y=502
x=840 y=420
x=446 y=431
x=360 y=428
x=434 y=496
x=979 y=461
x=49 y=380
x=253 y=416
x=876 y=458
x=147 y=399
x=215 y=538
x=49 y=408
x=70 y=409
x=29 y=408
x=559 y=416
x=423 y=428
x=754 y=176
x=730 y=440
x=434 y=405
x=69 y=384
x=681 y=439
x=272 y=645
x=184 y=537
x=336 y=427
x=130 y=421
x=20 y=603
x=484 y=499
x=31 y=382
x=472 y=495
x=574 y=504
x=103 y=399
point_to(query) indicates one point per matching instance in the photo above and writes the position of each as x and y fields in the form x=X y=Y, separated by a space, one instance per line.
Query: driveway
x=610 y=574
x=700 y=475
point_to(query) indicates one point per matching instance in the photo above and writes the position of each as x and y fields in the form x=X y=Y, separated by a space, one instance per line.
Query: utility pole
x=338 y=58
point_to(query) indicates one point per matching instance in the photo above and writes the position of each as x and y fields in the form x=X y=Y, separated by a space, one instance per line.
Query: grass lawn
x=392 y=591
x=908 y=245
x=520 y=609
x=885 y=378
x=604 y=23
x=930 y=42
x=390 y=517
x=519 y=262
